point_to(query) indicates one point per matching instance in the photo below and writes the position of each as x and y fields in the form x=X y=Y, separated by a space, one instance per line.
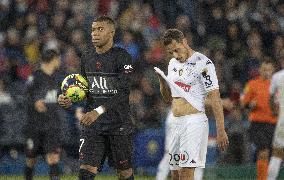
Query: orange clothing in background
x=258 y=90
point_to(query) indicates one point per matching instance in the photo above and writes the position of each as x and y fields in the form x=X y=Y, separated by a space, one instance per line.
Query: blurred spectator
x=127 y=42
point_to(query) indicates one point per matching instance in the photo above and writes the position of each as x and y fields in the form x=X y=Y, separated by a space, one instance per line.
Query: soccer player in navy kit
x=43 y=124
x=107 y=128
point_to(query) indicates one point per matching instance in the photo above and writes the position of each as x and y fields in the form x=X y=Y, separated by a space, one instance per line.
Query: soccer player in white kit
x=191 y=78
x=277 y=92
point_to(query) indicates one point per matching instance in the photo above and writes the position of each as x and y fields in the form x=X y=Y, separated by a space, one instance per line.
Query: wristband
x=100 y=110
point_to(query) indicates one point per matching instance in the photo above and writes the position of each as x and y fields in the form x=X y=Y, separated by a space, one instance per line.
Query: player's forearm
x=165 y=91
x=272 y=105
x=217 y=108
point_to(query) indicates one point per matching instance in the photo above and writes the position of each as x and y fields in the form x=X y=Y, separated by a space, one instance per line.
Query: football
x=75 y=86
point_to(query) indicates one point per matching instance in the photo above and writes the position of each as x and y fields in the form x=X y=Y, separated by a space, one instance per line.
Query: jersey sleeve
x=273 y=85
x=125 y=71
x=33 y=90
x=209 y=77
x=248 y=94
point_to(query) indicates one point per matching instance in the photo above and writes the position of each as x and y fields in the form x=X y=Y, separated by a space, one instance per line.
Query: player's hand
x=40 y=106
x=64 y=101
x=252 y=105
x=79 y=113
x=222 y=140
x=90 y=117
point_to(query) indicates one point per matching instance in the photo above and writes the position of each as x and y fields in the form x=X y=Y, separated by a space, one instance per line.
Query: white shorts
x=278 y=139
x=188 y=139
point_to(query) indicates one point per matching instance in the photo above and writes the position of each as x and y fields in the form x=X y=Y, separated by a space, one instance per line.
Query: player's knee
x=263 y=154
x=89 y=168
x=125 y=174
x=186 y=173
x=175 y=174
x=52 y=158
x=30 y=162
x=278 y=152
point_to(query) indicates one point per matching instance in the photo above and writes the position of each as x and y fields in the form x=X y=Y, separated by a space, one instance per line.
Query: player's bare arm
x=216 y=104
x=90 y=117
x=40 y=106
x=165 y=90
x=64 y=101
x=273 y=105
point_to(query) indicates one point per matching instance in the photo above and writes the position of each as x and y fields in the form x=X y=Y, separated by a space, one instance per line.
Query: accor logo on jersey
x=185 y=87
x=101 y=85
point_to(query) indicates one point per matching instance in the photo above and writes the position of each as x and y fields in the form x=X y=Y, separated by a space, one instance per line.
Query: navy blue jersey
x=108 y=75
x=41 y=86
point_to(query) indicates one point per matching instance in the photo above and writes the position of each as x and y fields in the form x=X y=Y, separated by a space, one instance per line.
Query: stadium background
x=236 y=34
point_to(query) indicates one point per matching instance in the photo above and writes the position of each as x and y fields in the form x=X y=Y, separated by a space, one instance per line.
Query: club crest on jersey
x=98 y=65
x=180 y=72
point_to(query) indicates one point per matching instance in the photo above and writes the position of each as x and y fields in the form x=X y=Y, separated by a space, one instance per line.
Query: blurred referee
x=107 y=127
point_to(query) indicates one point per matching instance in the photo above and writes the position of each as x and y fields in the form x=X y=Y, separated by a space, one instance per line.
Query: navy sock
x=28 y=173
x=54 y=172
x=86 y=175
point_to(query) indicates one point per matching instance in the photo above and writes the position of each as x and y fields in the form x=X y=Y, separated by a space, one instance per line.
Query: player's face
x=102 y=33
x=266 y=70
x=178 y=50
x=56 y=62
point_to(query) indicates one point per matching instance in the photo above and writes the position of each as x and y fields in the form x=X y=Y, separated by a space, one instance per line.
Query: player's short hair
x=48 y=55
x=105 y=19
x=172 y=34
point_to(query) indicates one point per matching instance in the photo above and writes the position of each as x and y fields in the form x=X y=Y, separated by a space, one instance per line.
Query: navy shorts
x=261 y=134
x=95 y=149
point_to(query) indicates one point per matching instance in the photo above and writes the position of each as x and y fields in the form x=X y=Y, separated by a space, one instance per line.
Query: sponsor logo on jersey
x=102 y=85
x=183 y=157
x=127 y=68
x=185 y=87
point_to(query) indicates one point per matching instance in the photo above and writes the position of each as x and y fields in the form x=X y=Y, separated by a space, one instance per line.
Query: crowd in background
x=236 y=34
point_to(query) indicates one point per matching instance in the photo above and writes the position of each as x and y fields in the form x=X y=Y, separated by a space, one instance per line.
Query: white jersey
x=196 y=77
x=277 y=89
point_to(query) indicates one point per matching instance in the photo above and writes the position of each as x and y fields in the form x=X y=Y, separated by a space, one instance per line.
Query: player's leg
x=92 y=155
x=163 y=168
x=198 y=173
x=175 y=174
x=186 y=173
x=261 y=135
x=278 y=150
x=52 y=159
x=52 y=150
x=30 y=163
x=174 y=147
x=275 y=163
x=120 y=156
x=31 y=149
x=262 y=164
x=193 y=144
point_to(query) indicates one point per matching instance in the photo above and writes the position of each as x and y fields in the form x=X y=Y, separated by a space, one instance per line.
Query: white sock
x=163 y=168
x=198 y=173
x=273 y=168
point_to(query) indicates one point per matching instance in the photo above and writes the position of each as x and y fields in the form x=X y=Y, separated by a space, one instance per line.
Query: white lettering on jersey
x=101 y=84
